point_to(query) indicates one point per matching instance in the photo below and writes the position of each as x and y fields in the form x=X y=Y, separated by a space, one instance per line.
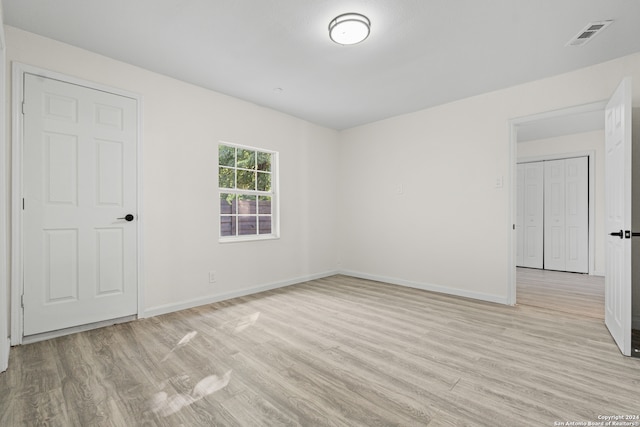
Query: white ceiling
x=420 y=53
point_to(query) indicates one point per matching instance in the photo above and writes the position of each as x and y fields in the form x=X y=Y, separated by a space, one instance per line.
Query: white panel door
x=618 y=216
x=577 y=214
x=533 y=215
x=79 y=178
x=566 y=216
x=554 y=215
x=520 y=215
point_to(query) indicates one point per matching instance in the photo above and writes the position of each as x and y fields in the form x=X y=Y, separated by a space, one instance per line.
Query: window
x=247 y=182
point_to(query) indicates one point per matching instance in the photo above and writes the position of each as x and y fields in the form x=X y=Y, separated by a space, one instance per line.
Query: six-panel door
x=79 y=177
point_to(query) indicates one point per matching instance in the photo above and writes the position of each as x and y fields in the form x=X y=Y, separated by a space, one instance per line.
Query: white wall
x=4 y=209
x=451 y=228
x=580 y=142
x=182 y=125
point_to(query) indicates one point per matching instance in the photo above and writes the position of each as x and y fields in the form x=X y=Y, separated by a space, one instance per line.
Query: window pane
x=226 y=155
x=226 y=177
x=227 y=225
x=264 y=206
x=246 y=159
x=247 y=225
x=264 y=161
x=227 y=204
x=264 y=181
x=265 y=224
x=246 y=205
x=246 y=180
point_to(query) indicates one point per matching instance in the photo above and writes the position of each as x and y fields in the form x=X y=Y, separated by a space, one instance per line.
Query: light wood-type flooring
x=580 y=294
x=338 y=351
x=575 y=293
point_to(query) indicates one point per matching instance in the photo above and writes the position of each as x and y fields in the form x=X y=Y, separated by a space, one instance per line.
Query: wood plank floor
x=579 y=294
x=338 y=351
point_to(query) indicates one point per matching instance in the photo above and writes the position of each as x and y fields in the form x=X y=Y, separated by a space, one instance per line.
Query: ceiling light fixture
x=349 y=28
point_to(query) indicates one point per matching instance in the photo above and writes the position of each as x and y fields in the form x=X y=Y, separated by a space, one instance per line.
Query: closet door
x=554 y=215
x=533 y=217
x=577 y=215
x=566 y=215
x=520 y=215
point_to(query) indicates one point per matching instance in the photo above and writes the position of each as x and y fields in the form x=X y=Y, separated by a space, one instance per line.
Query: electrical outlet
x=212 y=277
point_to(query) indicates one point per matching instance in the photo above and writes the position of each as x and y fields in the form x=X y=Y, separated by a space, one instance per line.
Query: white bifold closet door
x=520 y=215
x=566 y=215
x=530 y=215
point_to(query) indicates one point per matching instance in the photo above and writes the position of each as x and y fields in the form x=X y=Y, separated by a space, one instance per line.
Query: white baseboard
x=429 y=287
x=4 y=354
x=597 y=273
x=184 y=305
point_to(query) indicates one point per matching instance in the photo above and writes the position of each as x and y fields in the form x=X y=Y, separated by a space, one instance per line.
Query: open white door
x=618 y=216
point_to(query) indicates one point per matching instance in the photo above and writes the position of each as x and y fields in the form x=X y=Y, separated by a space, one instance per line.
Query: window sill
x=252 y=238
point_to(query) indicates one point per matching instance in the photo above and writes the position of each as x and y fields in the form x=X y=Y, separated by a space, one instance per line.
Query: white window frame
x=274 y=194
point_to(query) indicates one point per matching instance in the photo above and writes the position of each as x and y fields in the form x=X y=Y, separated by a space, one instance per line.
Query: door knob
x=620 y=234
x=128 y=217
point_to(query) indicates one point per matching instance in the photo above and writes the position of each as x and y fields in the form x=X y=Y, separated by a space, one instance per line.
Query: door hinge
x=23 y=108
x=22 y=300
x=23 y=203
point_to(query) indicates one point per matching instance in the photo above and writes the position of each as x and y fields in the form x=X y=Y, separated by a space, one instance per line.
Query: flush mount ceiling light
x=349 y=28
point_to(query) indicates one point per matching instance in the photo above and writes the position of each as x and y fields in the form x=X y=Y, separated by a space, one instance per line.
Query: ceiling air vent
x=588 y=33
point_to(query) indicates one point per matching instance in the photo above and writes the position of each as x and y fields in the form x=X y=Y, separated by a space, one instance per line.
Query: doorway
x=572 y=132
x=598 y=109
x=76 y=205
